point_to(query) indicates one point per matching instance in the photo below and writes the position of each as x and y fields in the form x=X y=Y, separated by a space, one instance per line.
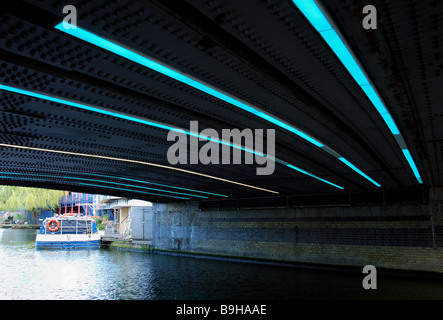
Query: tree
x=29 y=199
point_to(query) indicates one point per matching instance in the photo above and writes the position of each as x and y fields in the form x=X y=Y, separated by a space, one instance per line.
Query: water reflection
x=26 y=273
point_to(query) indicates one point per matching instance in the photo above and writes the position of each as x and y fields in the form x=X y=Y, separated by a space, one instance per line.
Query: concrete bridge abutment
x=401 y=236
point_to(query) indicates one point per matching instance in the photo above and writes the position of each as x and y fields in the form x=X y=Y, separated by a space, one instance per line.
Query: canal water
x=26 y=273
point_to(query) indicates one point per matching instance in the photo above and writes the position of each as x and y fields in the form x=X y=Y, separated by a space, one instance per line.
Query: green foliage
x=99 y=224
x=30 y=199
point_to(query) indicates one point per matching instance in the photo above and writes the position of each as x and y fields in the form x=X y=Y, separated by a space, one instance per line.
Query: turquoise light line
x=179 y=76
x=20 y=178
x=134 y=186
x=314 y=176
x=83 y=106
x=135 y=119
x=321 y=24
x=314 y=14
x=113 y=114
x=143 y=181
x=381 y=108
x=124 y=189
x=408 y=157
x=359 y=171
x=108 y=182
x=158 y=184
x=182 y=77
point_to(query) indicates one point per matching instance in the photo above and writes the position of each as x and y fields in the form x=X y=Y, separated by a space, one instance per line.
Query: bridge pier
x=401 y=236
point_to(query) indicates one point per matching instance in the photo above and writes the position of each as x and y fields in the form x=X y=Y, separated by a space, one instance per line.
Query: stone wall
x=408 y=237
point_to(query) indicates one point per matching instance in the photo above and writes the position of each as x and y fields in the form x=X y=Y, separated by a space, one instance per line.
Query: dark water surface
x=26 y=273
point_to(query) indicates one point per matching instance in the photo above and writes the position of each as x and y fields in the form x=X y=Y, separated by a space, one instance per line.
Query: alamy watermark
x=70 y=21
x=249 y=141
x=370 y=20
x=370 y=281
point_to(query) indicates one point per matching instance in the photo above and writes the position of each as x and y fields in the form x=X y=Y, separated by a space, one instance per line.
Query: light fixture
x=313 y=176
x=180 y=76
x=125 y=189
x=323 y=26
x=144 y=121
x=189 y=80
x=127 y=179
x=135 y=186
x=96 y=109
x=150 y=183
x=411 y=162
x=140 y=163
x=21 y=178
x=109 y=182
x=353 y=167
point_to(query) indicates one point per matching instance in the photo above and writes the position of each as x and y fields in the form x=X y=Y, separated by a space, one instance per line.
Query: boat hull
x=67 y=241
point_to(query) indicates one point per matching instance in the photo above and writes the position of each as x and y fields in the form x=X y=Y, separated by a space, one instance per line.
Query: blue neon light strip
x=320 y=22
x=114 y=114
x=181 y=77
x=337 y=45
x=381 y=108
x=124 y=189
x=101 y=186
x=101 y=181
x=314 y=176
x=84 y=106
x=137 y=162
x=134 y=186
x=135 y=180
x=350 y=165
x=21 y=178
x=411 y=162
x=159 y=184
x=314 y=14
x=136 y=119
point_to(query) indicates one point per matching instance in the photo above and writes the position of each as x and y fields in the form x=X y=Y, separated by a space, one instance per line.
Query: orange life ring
x=50 y=227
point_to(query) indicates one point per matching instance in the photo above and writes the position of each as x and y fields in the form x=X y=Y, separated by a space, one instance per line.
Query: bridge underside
x=265 y=53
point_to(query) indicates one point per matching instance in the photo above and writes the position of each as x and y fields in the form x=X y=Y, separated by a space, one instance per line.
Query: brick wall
x=406 y=237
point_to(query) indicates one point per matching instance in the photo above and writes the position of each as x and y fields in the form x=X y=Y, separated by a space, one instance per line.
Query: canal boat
x=68 y=232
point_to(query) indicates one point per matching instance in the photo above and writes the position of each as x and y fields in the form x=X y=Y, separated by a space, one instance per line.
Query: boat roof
x=73 y=217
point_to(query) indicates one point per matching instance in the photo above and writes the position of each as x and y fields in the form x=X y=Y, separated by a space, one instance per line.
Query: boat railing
x=85 y=227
